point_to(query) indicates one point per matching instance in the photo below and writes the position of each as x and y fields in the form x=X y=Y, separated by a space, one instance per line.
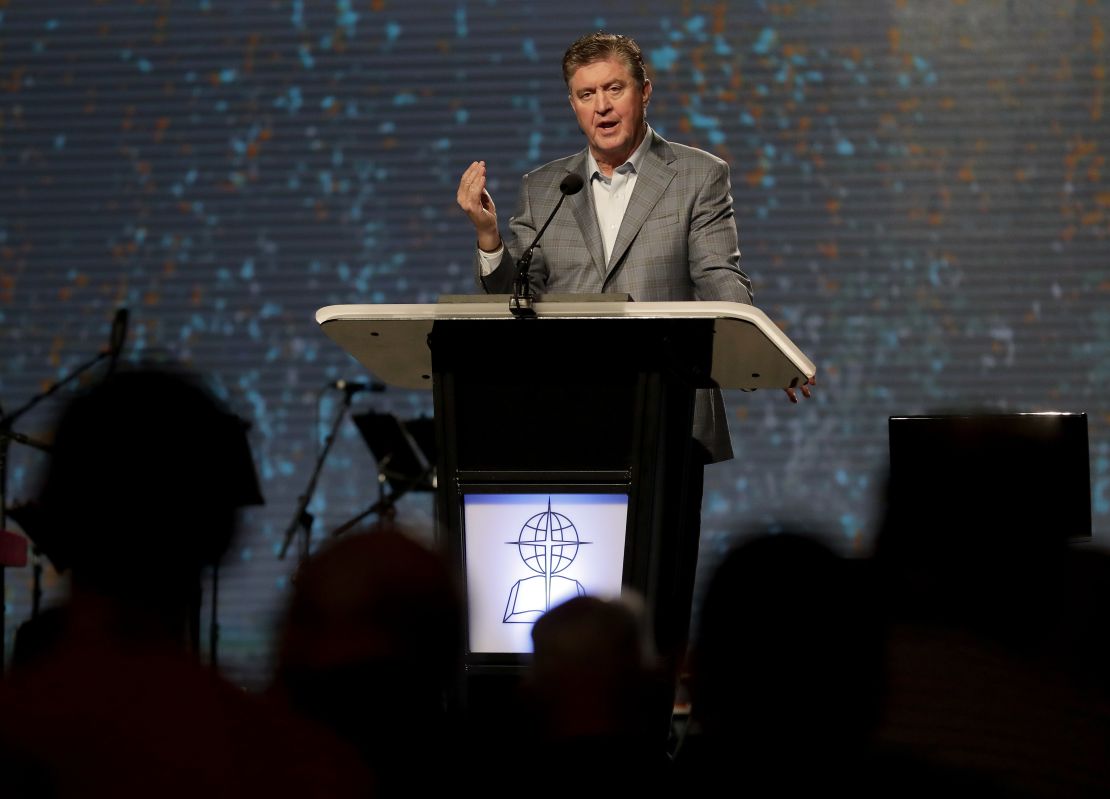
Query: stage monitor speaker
x=992 y=478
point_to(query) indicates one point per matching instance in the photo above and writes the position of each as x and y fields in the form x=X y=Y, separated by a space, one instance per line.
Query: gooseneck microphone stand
x=520 y=304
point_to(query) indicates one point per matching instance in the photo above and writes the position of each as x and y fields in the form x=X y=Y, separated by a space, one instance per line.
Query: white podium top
x=391 y=341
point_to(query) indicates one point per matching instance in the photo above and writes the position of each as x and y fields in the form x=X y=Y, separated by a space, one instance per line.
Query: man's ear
x=647 y=92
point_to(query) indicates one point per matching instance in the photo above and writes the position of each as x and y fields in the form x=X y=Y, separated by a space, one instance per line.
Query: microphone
x=116 y=338
x=521 y=302
x=572 y=184
x=352 y=387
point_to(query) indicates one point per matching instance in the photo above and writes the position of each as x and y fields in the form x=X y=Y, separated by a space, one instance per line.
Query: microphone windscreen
x=572 y=184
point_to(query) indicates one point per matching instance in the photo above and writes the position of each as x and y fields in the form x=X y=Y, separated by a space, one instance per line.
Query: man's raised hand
x=478 y=205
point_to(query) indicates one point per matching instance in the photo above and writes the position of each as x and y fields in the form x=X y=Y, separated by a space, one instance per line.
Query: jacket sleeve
x=713 y=242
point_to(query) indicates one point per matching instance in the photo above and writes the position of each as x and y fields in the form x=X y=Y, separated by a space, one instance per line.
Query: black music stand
x=406 y=456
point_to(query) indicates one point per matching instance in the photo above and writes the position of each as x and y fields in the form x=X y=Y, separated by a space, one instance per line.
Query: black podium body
x=587 y=404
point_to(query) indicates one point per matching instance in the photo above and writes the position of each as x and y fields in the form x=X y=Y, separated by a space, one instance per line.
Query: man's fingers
x=469 y=197
x=805 y=390
x=472 y=196
x=477 y=203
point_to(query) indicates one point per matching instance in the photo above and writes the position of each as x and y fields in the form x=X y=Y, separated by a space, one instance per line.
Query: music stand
x=422 y=430
x=405 y=452
x=402 y=459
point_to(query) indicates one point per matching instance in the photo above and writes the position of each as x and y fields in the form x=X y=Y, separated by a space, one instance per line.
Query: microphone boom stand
x=302 y=518
x=7 y=436
x=385 y=506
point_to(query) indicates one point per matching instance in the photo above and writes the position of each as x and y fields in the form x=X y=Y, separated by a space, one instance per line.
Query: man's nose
x=602 y=103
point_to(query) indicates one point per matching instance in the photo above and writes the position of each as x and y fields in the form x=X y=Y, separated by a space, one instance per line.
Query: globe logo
x=548 y=543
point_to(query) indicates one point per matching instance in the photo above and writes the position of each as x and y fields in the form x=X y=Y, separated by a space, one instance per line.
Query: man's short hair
x=600 y=46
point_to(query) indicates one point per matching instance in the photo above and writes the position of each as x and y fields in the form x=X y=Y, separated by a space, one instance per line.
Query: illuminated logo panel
x=527 y=553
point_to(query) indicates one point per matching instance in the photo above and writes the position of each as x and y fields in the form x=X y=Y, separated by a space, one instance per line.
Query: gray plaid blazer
x=677 y=242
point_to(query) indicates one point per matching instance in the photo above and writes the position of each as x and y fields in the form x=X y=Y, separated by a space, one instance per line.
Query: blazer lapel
x=656 y=173
x=582 y=205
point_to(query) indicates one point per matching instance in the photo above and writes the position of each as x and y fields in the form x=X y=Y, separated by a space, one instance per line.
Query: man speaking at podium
x=640 y=216
x=655 y=219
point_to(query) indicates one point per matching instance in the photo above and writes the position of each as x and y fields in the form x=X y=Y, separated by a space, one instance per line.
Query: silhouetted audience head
x=788 y=655
x=596 y=697
x=147 y=471
x=371 y=647
x=997 y=654
x=589 y=673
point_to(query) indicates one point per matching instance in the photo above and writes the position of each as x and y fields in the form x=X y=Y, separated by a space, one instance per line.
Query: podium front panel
x=594 y=415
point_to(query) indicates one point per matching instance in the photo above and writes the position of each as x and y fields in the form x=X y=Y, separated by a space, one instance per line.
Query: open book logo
x=548 y=544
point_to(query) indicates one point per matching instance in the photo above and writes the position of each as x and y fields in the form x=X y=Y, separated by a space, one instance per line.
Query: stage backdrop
x=921 y=191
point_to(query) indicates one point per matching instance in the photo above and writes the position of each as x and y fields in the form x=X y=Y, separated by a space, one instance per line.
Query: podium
x=564 y=443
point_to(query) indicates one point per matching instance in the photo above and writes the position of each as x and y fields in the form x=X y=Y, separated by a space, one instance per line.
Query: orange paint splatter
x=56 y=352
x=894 y=39
x=1094 y=171
x=720 y=17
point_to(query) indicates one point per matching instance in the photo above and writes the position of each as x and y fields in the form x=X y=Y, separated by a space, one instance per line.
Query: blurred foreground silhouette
x=371 y=648
x=108 y=698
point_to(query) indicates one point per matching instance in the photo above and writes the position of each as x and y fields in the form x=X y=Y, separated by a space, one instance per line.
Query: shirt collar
x=631 y=165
